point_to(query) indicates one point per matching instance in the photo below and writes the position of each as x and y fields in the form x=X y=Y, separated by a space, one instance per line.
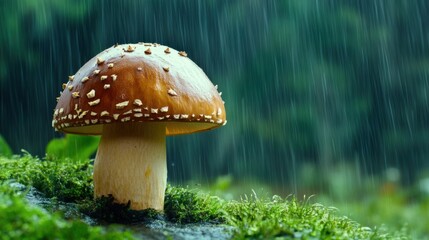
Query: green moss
x=267 y=218
x=249 y=218
x=181 y=206
x=20 y=220
x=66 y=180
x=277 y=217
x=188 y=206
x=107 y=210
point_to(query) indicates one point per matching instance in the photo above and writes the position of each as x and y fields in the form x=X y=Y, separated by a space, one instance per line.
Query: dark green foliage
x=329 y=80
x=188 y=206
x=17 y=41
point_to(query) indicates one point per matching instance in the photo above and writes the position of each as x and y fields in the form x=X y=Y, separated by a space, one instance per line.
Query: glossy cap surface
x=139 y=83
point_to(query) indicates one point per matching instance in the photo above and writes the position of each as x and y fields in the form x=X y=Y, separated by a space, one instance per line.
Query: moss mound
x=71 y=181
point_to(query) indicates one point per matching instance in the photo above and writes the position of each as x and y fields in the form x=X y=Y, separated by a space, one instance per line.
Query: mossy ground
x=20 y=220
x=71 y=181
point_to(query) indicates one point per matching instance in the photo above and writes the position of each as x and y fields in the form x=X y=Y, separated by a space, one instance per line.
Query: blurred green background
x=322 y=97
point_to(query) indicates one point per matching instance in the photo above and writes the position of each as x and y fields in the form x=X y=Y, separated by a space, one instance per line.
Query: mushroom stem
x=131 y=165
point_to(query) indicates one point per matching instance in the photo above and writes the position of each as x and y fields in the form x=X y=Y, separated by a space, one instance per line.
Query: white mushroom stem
x=131 y=165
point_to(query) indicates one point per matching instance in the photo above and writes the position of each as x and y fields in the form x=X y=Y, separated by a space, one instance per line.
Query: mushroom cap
x=142 y=82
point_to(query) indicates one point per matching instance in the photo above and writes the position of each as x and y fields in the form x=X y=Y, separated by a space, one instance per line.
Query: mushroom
x=130 y=164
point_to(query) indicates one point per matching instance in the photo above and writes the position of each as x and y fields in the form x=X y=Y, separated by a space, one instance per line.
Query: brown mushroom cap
x=139 y=83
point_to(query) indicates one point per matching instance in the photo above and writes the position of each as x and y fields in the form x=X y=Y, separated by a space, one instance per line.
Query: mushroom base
x=131 y=165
